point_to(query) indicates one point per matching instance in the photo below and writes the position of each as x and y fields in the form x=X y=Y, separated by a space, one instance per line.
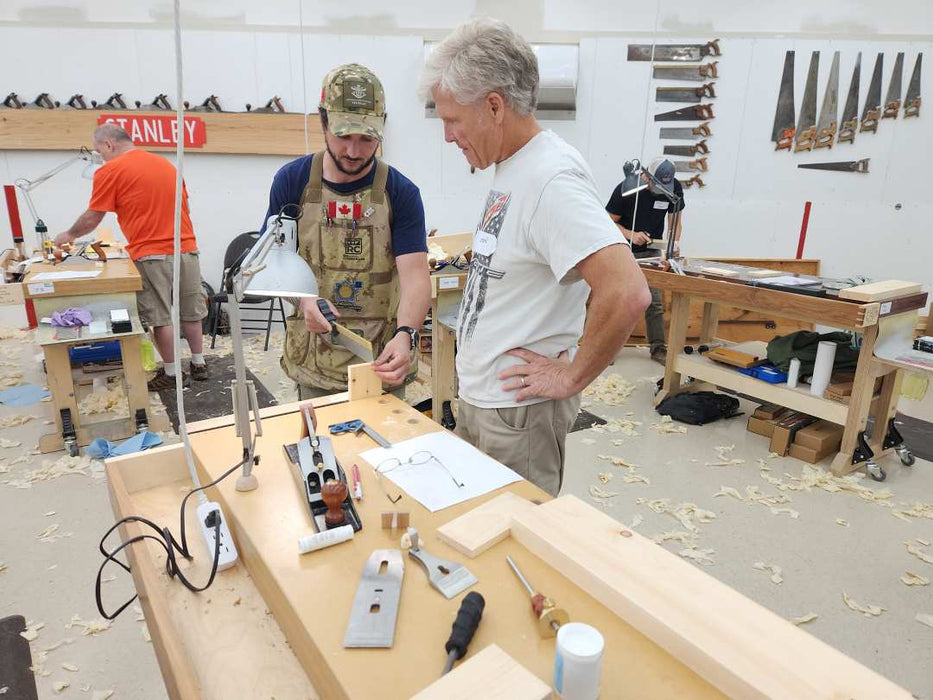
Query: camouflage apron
x=347 y=241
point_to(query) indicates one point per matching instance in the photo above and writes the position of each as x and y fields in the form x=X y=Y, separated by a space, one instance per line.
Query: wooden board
x=118 y=275
x=475 y=532
x=739 y=646
x=492 y=675
x=881 y=291
x=363 y=382
x=227 y=132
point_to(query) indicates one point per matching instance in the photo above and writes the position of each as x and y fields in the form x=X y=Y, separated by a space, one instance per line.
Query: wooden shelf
x=798 y=399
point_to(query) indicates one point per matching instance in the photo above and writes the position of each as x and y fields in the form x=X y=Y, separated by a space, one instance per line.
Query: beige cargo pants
x=529 y=440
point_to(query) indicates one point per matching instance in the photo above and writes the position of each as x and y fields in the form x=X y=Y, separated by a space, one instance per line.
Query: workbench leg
x=443 y=367
x=710 y=325
x=677 y=336
x=886 y=409
x=61 y=385
x=859 y=403
x=137 y=393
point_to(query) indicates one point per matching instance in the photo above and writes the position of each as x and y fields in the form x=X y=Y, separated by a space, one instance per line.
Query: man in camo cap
x=363 y=234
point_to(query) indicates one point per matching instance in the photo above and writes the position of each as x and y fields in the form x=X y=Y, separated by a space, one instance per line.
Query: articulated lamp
x=271 y=268
x=638 y=178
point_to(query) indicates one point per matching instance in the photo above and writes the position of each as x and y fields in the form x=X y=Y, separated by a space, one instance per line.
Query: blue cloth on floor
x=23 y=395
x=101 y=449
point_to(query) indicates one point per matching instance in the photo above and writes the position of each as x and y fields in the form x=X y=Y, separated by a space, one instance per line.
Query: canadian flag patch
x=344 y=210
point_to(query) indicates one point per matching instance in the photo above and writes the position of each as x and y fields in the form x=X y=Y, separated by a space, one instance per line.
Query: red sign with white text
x=158 y=130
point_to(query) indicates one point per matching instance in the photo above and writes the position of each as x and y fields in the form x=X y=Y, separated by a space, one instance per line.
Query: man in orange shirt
x=140 y=187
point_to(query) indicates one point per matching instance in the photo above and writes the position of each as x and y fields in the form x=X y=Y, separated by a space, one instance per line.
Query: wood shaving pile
x=688 y=539
x=687 y=514
x=925 y=543
x=617 y=461
x=924 y=619
x=728 y=491
x=112 y=400
x=630 y=476
x=814 y=477
x=909 y=578
x=666 y=426
x=866 y=610
x=12 y=421
x=701 y=556
x=637 y=520
x=599 y=493
x=612 y=390
x=917 y=552
x=624 y=426
x=804 y=619
x=10 y=333
x=91 y=627
x=7 y=444
x=63 y=466
x=724 y=452
x=917 y=510
x=773 y=569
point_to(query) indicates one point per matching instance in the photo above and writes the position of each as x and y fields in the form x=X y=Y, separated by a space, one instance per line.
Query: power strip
x=228 y=554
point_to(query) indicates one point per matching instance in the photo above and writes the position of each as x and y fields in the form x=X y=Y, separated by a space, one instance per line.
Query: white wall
x=752 y=206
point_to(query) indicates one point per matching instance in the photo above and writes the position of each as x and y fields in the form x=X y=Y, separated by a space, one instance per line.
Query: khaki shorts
x=529 y=440
x=155 y=299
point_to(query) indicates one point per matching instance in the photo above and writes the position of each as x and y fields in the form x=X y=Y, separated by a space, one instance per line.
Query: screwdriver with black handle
x=464 y=627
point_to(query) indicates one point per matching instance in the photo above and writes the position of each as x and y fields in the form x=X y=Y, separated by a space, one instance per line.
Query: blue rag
x=23 y=395
x=101 y=448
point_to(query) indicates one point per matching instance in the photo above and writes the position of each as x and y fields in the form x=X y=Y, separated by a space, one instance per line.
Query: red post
x=803 y=230
x=16 y=227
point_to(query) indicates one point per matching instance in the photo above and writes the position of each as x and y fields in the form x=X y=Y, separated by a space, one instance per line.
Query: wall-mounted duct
x=557 y=70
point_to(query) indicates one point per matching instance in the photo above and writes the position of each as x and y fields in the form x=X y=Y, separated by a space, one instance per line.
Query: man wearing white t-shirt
x=542 y=243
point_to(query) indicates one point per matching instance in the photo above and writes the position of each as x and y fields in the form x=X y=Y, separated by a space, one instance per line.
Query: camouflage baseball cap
x=354 y=100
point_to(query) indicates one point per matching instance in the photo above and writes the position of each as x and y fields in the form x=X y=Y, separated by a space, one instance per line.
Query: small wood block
x=880 y=291
x=394 y=520
x=736 y=358
x=363 y=382
x=490 y=674
x=721 y=271
x=765 y=273
x=479 y=529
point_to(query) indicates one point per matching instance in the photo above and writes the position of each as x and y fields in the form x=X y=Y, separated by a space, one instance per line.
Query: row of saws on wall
x=116 y=102
x=689 y=67
x=806 y=132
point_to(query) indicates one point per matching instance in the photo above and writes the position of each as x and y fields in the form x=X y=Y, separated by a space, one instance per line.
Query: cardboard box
x=769 y=411
x=760 y=426
x=820 y=436
x=785 y=430
x=808 y=454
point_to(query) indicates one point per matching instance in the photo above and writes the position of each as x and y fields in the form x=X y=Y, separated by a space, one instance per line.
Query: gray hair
x=111 y=132
x=482 y=56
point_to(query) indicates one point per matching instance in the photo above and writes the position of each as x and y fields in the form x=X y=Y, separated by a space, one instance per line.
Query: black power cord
x=167 y=541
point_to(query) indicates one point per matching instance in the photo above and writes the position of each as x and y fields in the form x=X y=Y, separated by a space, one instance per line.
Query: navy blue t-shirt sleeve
x=408 y=227
x=287 y=186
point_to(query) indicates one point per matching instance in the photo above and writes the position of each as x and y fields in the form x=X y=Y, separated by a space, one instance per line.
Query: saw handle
x=704 y=112
x=702 y=130
x=710 y=70
x=464 y=627
x=707 y=90
x=713 y=47
x=328 y=314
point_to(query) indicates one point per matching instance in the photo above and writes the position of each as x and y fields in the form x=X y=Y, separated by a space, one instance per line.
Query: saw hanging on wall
x=696 y=113
x=785 y=122
x=871 y=113
x=850 y=111
x=689 y=166
x=912 y=100
x=827 y=125
x=846 y=166
x=687 y=133
x=892 y=103
x=673 y=52
x=696 y=74
x=685 y=94
x=699 y=147
x=806 y=125
x=695 y=180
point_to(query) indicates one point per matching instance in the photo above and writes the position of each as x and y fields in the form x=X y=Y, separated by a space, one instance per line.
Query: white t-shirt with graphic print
x=542 y=216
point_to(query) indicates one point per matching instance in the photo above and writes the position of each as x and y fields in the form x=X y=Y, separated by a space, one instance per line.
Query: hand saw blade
x=692 y=73
x=684 y=94
x=850 y=166
x=673 y=52
x=827 y=124
x=697 y=113
x=806 y=125
x=784 y=118
x=699 y=147
x=686 y=133
x=353 y=342
x=690 y=166
x=375 y=606
x=871 y=113
x=892 y=103
x=850 y=111
x=912 y=98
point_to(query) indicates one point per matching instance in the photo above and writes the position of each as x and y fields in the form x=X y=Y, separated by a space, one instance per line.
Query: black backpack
x=698 y=407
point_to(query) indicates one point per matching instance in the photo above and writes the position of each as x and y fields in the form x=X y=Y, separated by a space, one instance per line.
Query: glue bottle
x=578 y=661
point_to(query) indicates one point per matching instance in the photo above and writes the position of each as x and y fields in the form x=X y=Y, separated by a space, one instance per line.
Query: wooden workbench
x=223 y=644
x=862 y=317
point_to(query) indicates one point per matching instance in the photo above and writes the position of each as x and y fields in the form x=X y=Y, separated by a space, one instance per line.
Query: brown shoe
x=162 y=381
x=199 y=372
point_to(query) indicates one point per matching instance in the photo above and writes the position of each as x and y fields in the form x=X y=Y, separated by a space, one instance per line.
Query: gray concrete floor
x=50 y=582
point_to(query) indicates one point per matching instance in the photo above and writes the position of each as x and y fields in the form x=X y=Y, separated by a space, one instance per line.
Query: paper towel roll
x=823 y=369
x=793 y=373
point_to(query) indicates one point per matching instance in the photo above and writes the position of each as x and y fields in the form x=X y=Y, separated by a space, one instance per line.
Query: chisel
x=464 y=627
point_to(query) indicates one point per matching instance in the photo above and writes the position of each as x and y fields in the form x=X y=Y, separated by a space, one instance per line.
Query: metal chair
x=237 y=247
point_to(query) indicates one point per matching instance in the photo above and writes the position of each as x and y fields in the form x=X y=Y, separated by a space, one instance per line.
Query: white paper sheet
x=65 y=275
x=429 y=483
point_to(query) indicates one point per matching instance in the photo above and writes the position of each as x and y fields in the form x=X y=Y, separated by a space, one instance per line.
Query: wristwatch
x=412 y=334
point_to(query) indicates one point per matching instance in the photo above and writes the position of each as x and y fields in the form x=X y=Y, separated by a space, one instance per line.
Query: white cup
x=578 y=661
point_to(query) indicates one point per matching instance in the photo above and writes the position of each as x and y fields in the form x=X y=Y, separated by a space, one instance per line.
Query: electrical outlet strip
x=228 y=554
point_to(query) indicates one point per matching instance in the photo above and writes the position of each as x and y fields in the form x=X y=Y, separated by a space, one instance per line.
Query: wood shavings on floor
x=917 y=509
x=925 y=543
x=772 y=569
x=917 y=552
x=909 y=578
x=637 y=520
x=13 y=421
x=611 y=390
x=70 y=667
x=804 y=619
x=666 y=426
x=687 y=539
x=866 y=610
x=598 y=493
x=924 y=619
x=629 y=476
x=59 y=686
x=701 y=556
x=7 y=444
x=604 y=477
x=111 y=400
x=2 y=567
x=729 y=491
x=63 y=466
x=724 y=452
x=31 y=633
x=102 y=695
x=687 y=514
x=89 y=628
x=622 y=425
x=840 y=521
x=50 y=534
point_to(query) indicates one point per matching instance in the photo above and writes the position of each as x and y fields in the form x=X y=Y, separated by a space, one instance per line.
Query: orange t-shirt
x=140 y=187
